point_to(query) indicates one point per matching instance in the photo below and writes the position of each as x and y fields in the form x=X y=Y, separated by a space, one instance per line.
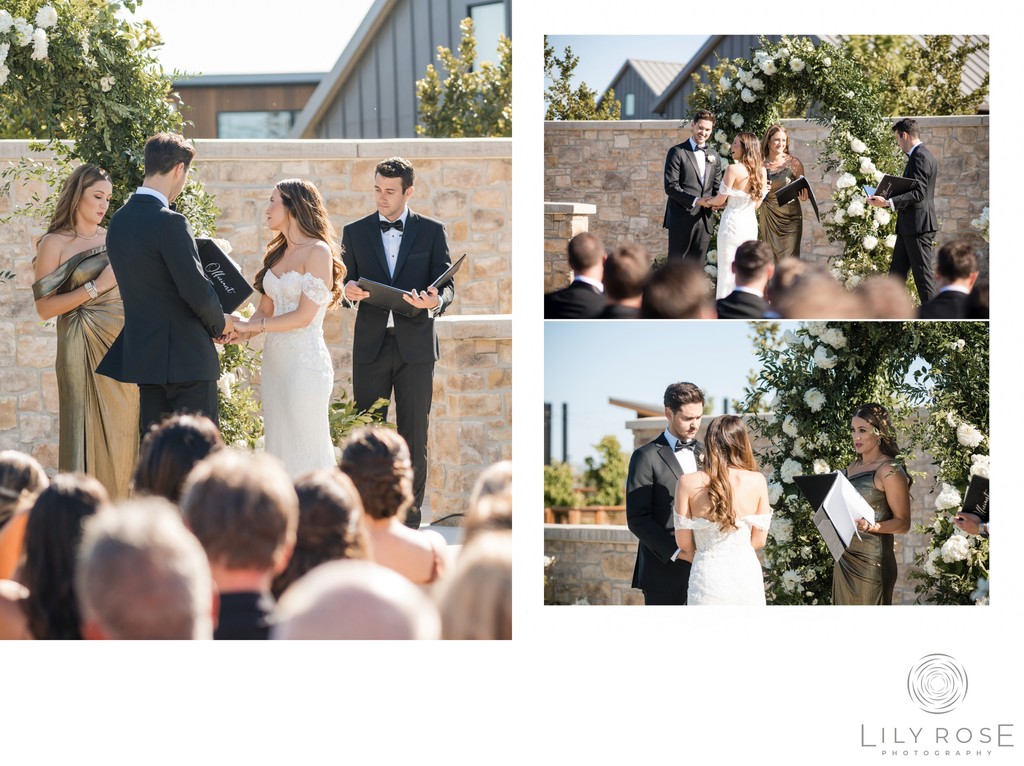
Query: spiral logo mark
x=937 y=683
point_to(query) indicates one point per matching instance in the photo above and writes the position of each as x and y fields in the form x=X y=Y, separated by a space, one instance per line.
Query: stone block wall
x=618 y=166
x=466 y=183
x=562 y=222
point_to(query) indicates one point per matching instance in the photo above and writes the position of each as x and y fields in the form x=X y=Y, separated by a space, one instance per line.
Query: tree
x=474 y=100
x=564 y=102
x=607 y=477
x=560 y=487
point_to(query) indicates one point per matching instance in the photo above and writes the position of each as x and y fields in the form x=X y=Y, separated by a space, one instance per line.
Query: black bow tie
x=702 y=148
x=681 y=445
x=385 y=225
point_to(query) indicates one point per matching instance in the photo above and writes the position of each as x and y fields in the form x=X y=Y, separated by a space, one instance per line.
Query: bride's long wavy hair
x=306 y=207
x=753 y=162
x=726 y=446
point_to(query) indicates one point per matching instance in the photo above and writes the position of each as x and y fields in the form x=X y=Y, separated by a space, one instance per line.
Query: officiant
x=781 y=226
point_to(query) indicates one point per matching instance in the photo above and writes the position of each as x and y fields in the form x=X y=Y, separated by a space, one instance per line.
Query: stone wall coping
x=481 y=326
x=960 y=120
x=570 y=208
x=599 y=533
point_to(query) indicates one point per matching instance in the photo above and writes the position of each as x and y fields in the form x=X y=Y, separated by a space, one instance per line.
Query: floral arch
x=859 y=146
x=810 y=380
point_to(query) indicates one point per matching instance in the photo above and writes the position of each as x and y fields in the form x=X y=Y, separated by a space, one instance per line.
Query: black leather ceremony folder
x=388 y=297
x=232 y=288
x=890 y=186
x=789 y=192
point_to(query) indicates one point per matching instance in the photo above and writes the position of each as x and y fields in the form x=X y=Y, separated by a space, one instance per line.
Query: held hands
x=354 y=292
x=230 y=334
x=423 y=299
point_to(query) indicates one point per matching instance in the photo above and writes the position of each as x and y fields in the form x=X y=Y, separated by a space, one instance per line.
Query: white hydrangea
x=890 y=241
x=845 y=181
x=46 y=17
x=40 y=45
x=783 y=52
x=823 y=360
x=869 y=242
x=769 y=68
x=882 y=215
x=4 y=47
x=789 y=426
x=955 y=548
x=790 y=338
x=929 y=565
x=950 y=419
x=948 y=498
x=724 y=83
x=816 y=328
x=838 y=216
x=712 y=256
x=814 y=399
x=821 y=466
x=790 y=468
x=23 y=30
x=968 y=435
x=4 y=73
x=867 y=167
x=6 y=20
x=737 y=120
x=720 y=137
x=781 y=529
x=711 y=270
x=834 y=337
x=856 y=208
x=757 y=84
x=798 y=447
x=858 y=146
x=774 y=492
x=791 y=580
x=979 y=466
x=796 y=64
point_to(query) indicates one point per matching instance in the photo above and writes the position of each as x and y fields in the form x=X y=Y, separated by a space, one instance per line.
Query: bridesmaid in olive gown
x=781 y=226
x=99 y=416
x=866 y=572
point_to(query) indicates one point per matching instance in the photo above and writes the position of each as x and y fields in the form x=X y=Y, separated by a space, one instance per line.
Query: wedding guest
x=626 y=271
x=956 y=269
x=977 y=301
x=330 y=525
x=753 y=266
x=377 y=460
x=692 y=170
x=678 y=290
x=916 y=222
x=816 y=294
x=142 y=575
x=490 y=504
x=243 y=509
x=780 y=226
x=866 y=572
x=170 y=450
x=357 y=600
x=21 y=478
x=476 y=603
x=302 y=276
x=584 y=298
x=787 y=272
x=885 y=296
x=52 y=540
x=99 y=416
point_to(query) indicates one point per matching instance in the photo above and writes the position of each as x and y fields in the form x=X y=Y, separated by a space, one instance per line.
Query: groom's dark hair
x=679 y=394
x=907 y=125
x=165 y=150
x=703 y=114
x=956 y=260
x=397 y=167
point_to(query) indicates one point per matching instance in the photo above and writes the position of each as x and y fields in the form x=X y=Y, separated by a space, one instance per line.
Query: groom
x=654 y=470
x=392 y=351
x=692 y=170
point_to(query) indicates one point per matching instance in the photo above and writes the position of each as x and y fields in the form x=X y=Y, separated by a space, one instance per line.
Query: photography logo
x=937 y=683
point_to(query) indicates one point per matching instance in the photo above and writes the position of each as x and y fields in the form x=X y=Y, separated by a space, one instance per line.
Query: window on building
x=488 y=24
x=630 y=104
x=255 y=124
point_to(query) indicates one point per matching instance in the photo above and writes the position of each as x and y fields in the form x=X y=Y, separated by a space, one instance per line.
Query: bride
x=301 y=278
x=744 y=186
x=721 y=519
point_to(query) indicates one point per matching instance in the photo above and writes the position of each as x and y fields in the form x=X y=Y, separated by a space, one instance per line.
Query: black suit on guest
x=741 y=305
x=171 y=312
x=577 y=301
x=401 y=359
x=689 y=227
x=948 y=304
x=619 y=311
x=916 y=224
x=650 y=498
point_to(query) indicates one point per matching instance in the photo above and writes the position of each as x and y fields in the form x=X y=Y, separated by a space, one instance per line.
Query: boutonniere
x=699 y=456
x=711 y=158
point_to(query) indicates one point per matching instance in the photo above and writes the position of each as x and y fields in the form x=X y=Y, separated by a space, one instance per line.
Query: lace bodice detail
x=708 y=535
x=286 y=291
x=725 y=568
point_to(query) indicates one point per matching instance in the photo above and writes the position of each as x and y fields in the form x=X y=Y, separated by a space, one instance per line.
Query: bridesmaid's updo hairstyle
x=770 y=135
x=878 y=418
x=377 y=460
x=306 y=207
x=727 y=446
x=80 y=179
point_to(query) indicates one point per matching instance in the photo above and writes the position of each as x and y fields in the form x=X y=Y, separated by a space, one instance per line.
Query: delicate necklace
x=93 y=236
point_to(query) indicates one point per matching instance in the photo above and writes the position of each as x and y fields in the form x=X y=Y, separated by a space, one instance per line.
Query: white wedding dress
x=725 y=569
x=297 y=378
x=738 y=224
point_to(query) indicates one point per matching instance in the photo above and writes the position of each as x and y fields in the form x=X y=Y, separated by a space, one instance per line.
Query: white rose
x=814 y=399
x=757 y=84
x=955 y=548
x=820 y=466
x=711 y=270
x=105 y=84
x=781 y=530
x=798 y=447
x=774 y=492
x=791 y=580
x=46 y=17
x=712 y=256
x=769 y=67
x=834 y=337
x=720 y=137
x=856 y=208
x=815 y=328
x=869 y=242
x=796 y=64
x=979 y=466
x=929 y=566
x=783 y=52
x=948 y=498
x=790 y=468
x=960 y=344
x=822 y=359
x=737 y=120
x=826 y=61
x=858 y=146
x=968 y=435
x=40 y=46
x=890 y=241
x=845 y=181
x=867 y=167
x=724 y=83
x=882 y=215
x=789 y=427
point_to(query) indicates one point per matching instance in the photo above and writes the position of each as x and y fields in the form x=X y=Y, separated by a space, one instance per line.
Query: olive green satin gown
x=866 y=573
x=781 y=226
x=99 y=416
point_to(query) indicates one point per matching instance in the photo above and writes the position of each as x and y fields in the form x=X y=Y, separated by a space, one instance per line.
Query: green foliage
x=241 y=424
x=560 y=487
x=608 y=474
x=472 y=101
x=96 y=96
x=344 y=417
x=564 y=102
x=915 y=79
x=809 y=380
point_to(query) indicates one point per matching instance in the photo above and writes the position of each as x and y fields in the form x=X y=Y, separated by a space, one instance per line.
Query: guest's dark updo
x=878 y=418
x=170 y=450
x=377 y=461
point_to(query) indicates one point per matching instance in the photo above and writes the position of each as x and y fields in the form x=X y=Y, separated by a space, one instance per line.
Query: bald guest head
x=351 y=599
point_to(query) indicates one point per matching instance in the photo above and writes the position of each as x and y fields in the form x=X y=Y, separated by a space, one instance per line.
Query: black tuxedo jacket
x=684 y=184
x=422 y=258
x=949 y=304
x=171 y=310
x=741 y=305
x=619 y=311
x=577 y=301
x=916 y=207
x=650 y=499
